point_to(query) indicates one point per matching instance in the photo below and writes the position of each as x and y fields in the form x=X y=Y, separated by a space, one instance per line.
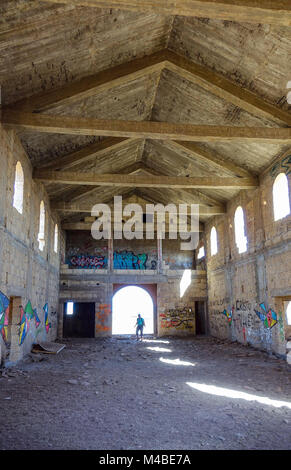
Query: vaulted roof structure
x=176 y=101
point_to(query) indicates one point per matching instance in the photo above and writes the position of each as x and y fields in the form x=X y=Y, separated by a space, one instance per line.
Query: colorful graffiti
x=24 y=326
x=268 y=317
x=229 y=315
x=4 y=316
x=102 y=318
x=88 y=262
x=179 y=318
x=283 y=166
x=128 y=260
x=121 y=260
x=47 y=324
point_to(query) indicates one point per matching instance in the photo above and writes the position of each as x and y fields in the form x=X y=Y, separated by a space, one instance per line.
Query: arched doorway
x=127 y=303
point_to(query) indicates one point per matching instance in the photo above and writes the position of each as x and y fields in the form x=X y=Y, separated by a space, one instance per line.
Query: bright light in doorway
x=288 y=314
x=70 y=308
x=127 y=303
x=226 y=392
x=185 y=281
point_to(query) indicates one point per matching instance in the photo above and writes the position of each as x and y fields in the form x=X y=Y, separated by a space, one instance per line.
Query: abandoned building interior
x=171 y=103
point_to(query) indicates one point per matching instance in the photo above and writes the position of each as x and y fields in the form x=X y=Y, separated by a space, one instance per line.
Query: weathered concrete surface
x=117 y=394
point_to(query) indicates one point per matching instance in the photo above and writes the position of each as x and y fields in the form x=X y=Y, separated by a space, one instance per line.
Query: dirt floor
x=121 y=394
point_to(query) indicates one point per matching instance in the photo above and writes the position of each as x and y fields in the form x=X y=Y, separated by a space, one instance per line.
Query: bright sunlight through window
x=127 y=303
x=281 y=201
x=18 y=188
x=213 y=241
x=70 y=308
x=239 y=227
x=228 y=393
x=201 y=253
x=185 y=281
x=41 y=240
x=56 y=238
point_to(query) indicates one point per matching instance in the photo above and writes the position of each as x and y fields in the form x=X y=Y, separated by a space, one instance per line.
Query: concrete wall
x=83 y=252
x=176 y=311
x=239 y=283
x=26 y=272
x=173 y=315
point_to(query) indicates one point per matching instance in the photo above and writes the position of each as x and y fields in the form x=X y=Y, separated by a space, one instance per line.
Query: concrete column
x=61 y=319
x=160 y=255
x=16 y=352
x=110 y=255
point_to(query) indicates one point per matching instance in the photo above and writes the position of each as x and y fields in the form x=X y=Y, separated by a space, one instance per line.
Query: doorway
x=79 y=320
x=127 y=303
x=200 y=318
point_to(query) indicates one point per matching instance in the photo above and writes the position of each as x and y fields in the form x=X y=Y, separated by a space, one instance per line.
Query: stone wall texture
x=28 y=275
x=241 y=284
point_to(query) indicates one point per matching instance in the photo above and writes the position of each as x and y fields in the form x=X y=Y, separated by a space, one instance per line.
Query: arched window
x=213 y=241
x=201 y=253
x=239 y=228
x=41 y=233
x=56 y=238
x=18 y=188
x=281 y=201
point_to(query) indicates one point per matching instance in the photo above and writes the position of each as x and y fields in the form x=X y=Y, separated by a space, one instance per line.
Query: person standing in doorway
x=140 y=324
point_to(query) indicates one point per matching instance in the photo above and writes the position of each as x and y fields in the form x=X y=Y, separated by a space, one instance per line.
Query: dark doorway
x=79 y=320
x=200 y=315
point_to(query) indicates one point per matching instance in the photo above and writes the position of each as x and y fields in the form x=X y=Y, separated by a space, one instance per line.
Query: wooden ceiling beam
x=165 y=59
x=277 y=12
x=90 y=85
x=193 y=152
x=148 y=181
x=225 y=89
x=196 y=196
x=85 y=154
x=143 y=129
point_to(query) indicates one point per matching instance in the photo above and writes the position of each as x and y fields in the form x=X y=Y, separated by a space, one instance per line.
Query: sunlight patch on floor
x=158 y=349
x=177 y=362
x=228 y=393
x=156 y=341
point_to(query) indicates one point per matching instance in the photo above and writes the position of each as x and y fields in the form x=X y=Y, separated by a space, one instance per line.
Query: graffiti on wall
x=229 y=314
x=179 y=318
x=88 y=262
x=121 y=260
x=283 y=166
x=4 y=315
x=24 y=325
x=46 y=320
x=267 y=316
x=128 y=260
x=102 y=317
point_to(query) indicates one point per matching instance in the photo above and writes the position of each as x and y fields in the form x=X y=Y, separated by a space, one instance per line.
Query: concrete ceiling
x=47 y=47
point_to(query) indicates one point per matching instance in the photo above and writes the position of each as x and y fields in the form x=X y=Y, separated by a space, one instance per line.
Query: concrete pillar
x=160 y=255
x=16 y=352
x=61 y=320
x=110 y=254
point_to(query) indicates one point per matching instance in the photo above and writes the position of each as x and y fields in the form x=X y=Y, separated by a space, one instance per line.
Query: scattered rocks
x=73 y=382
